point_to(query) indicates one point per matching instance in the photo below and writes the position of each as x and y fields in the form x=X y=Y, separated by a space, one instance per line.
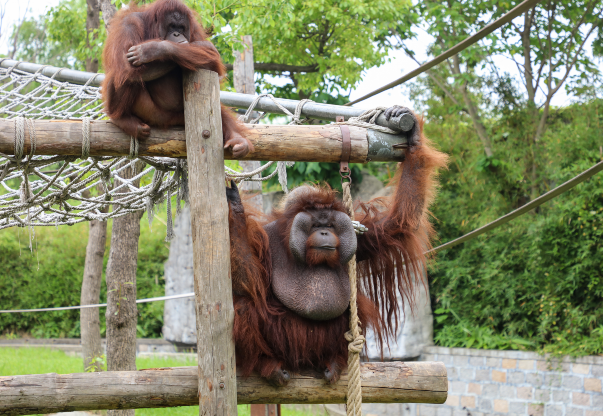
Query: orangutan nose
x=324 y=239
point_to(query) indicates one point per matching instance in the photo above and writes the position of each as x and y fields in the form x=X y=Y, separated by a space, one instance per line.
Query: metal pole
x=318 y=111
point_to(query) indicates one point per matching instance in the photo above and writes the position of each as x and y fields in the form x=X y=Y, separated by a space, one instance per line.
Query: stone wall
x=487 y=382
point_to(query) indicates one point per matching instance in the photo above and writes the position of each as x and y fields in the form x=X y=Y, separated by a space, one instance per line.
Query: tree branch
x=438 y=82
x=571 y=65
x=473 y=111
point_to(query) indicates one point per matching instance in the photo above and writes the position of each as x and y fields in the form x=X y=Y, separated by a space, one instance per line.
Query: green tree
x=321 y=45
x=547 y=45
x=58 y=38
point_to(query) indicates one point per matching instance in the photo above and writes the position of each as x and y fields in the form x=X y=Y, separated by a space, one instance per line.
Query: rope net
x=64 y=190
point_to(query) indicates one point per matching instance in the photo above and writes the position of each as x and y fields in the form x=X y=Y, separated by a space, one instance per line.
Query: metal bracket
x=346 y=150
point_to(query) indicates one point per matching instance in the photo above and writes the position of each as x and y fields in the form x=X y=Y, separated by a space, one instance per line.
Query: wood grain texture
x=244 y=82
x=211 y=245
x=271 y=142
x=393 y=382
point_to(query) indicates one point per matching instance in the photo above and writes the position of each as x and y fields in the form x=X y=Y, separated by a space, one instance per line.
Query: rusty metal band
x=346 y=150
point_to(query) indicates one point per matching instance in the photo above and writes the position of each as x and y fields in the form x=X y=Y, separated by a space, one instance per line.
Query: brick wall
x=488 y=382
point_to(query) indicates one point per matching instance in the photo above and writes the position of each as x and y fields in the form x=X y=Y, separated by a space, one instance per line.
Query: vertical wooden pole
x=244 y=83
x=211 y=259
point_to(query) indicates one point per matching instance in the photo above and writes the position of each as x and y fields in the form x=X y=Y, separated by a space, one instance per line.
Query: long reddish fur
x=123 y=82
x=268 y=335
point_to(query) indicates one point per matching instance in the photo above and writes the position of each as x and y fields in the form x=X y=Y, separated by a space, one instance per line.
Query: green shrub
x=537 y=282
x=51 y=276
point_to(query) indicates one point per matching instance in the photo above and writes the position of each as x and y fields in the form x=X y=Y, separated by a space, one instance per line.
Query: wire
x=512 y=14
x=98 y=305
x=470 y=236
x=527 y=207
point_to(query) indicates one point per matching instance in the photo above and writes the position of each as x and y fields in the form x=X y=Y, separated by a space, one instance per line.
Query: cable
x=99 y=305
x=527 y=4
x=527 y=207
x=470 y=236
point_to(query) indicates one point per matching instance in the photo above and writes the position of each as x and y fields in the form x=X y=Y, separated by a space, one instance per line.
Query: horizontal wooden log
x=393 y=382
x=321 y=143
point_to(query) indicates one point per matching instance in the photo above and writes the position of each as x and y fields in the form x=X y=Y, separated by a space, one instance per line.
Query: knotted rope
x=354 y=335
x=281 y=166
x=85 y=137
x=367 y=120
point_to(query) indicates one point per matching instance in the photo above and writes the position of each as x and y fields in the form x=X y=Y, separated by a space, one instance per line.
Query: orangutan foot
x=238 y=145
x=332 y=373
x=133 y=126
x=279 y=377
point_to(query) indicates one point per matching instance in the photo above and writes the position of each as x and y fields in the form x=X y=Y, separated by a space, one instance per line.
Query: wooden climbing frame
x=214 y=384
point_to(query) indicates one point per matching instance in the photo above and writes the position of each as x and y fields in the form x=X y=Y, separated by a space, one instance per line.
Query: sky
x=372 y=79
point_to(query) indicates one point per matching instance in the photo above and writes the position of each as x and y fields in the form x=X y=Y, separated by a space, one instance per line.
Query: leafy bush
x=51 y=276
x=537 y=282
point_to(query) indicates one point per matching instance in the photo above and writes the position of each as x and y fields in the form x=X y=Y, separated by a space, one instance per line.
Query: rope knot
x=355 y=344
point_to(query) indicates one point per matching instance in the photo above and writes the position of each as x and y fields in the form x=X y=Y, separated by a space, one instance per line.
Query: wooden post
x=211 y=260
x=244 y=83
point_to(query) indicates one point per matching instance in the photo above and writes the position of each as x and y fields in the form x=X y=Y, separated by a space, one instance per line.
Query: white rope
x=367 y=120
x=98 y=305
x=281 y=166
x=85 y=137
x=62 y=190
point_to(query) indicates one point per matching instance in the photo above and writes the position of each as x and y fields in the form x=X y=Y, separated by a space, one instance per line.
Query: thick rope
x=85 y=137
x=354 y=335
x=367 y=120
x=281 y=166
x=133 y=148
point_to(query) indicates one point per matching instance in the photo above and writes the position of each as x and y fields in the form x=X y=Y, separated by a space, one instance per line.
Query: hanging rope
x=354 y=335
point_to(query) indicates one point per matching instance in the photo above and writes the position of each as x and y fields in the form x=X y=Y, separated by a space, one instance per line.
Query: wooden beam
x=393 y=382
x=244 y=82
x=271 y=142
x=211 y=245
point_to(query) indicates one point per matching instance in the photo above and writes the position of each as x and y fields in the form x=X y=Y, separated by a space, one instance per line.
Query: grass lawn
x=15 y=361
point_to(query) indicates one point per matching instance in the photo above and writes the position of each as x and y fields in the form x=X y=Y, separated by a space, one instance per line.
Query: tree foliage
x=536 y=282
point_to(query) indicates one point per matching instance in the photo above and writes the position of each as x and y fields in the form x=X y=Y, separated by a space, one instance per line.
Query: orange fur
x=124 y=85
x=391 y=261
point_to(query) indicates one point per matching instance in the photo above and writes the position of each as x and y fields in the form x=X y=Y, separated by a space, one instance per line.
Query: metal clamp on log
x=346 y=150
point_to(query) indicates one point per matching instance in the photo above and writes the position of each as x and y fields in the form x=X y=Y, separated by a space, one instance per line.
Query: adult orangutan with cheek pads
x=147 y=49
x=289 y=271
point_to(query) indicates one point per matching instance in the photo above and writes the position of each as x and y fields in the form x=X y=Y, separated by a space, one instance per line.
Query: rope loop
x=355 y=344
x=19 y=137
x=367 y=120
x=133 y=148
x=85 y=137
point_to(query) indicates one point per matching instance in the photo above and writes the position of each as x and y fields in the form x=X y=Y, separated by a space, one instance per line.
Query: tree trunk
x=91 y=285
x=244 y=83
x=108 y=10
x=92 y=25
x=473 y=112
x=122 y=314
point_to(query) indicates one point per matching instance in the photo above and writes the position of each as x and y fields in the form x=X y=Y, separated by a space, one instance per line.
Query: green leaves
x=341 y=38
x=535 y=283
